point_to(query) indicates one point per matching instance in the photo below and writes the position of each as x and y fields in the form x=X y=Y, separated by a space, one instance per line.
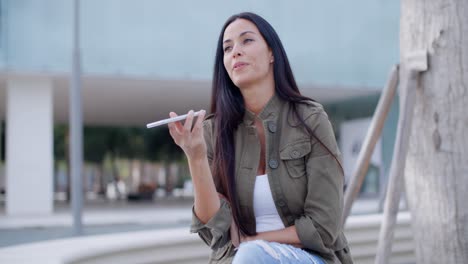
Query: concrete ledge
x=146 y=215
x=161 y=246
x=179 y=246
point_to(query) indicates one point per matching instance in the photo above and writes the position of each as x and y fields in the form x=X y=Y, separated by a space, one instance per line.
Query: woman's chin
x=242 y=83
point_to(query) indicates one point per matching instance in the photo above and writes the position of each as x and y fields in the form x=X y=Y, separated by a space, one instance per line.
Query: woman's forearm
x=287 y=235
x=206 y=198
x=190 y=138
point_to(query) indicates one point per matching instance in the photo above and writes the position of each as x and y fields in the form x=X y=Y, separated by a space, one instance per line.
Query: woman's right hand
x=190 y=139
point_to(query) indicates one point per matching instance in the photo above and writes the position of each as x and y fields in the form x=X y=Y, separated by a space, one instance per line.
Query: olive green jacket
x=306 y=181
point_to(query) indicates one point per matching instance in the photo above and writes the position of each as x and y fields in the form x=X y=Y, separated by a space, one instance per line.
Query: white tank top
x=266 y=215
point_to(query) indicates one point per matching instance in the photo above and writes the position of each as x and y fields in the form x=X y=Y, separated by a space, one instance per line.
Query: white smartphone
x=170 y=120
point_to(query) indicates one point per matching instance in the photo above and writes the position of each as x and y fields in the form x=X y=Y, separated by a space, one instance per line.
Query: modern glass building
x=142 y=59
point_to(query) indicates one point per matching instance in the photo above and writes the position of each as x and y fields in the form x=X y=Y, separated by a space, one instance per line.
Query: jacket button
x=295 y=154
x=272 y=127
x=273 y=163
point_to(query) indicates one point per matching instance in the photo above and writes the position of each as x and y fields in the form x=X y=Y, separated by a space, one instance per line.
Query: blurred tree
x=114 y=142
x=436 y=172
x=60 y=134
x=160 y=146
x=61 y=153
x=2 y=140
x=94 y=151
x=120 y=143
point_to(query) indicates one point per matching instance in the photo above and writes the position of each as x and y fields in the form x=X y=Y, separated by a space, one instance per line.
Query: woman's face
x=247 y=57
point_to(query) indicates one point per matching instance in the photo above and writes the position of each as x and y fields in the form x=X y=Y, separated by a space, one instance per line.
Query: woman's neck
x=255 y=98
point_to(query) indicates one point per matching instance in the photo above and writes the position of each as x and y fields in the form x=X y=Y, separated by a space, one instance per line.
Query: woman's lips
x=239 y=65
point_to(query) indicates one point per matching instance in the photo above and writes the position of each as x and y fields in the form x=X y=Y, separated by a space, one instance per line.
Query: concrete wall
x=338 y=43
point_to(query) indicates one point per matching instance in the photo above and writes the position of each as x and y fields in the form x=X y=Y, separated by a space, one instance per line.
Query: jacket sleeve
x=320 y=225
x=215 y=233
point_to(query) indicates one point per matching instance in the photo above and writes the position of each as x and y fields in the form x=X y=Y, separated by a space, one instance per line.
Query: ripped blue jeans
x=263 y=252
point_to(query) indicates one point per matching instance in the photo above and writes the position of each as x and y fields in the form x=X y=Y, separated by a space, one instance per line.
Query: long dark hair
x=228 y=106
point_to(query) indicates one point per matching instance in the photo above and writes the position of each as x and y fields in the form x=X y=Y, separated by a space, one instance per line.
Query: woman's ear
x=272 y=58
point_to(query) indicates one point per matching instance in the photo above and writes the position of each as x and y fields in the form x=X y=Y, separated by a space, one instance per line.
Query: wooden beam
x=373 y=134
x=413 y=65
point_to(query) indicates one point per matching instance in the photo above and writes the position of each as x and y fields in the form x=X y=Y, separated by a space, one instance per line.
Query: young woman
x=265 y=164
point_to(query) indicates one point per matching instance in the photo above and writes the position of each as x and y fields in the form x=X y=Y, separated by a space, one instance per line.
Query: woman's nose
x=236 y=51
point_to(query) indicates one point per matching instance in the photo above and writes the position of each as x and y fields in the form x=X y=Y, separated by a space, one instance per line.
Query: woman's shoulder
x=309 y=108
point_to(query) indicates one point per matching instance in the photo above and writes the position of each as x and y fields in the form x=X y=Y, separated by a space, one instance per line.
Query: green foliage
x=60 y=141
x=120 y=142
x=96 y=143
x=159 y=145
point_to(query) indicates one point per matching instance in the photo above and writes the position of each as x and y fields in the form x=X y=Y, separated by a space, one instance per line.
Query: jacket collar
x=270 y=110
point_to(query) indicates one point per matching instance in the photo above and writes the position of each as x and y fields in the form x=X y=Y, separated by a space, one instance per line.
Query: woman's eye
x=227 y=48
x=247 y=40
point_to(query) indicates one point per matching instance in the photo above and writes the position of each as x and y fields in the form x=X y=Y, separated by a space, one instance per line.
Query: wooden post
x=410 y=73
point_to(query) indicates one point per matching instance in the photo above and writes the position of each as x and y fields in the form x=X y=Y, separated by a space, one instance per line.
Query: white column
x=29 y=146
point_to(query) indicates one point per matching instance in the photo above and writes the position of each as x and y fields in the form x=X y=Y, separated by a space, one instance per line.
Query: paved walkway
x=101 y=213
x=101 y=217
